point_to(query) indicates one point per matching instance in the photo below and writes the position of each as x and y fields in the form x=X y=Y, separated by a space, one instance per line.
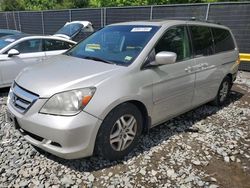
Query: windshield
x=6 y=40
x=70 y=29
x=117 y=44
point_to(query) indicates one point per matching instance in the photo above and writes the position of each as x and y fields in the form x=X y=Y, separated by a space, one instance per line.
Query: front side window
x=202 y=40
x=29 y=46
x=119 y=44
x=51 y=45
x=175 y=40
x=223 y=40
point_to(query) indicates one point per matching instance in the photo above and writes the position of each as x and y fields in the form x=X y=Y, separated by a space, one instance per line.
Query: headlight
x=68 y=103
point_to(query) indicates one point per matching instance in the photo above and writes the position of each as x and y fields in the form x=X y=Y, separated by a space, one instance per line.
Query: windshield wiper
x=98 y=59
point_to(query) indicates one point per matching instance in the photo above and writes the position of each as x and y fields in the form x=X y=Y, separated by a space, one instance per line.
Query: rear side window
x=223 y=40
x=51 y=45
x=202 y=40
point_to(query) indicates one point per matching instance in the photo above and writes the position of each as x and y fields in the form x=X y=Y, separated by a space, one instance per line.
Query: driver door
x=30 y=54
x=173 y=86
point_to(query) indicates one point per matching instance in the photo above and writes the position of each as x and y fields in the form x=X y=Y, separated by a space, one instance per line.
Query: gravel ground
x=207 y=147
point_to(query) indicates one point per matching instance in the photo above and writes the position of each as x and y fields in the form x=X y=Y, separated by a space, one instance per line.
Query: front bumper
x=68 y=137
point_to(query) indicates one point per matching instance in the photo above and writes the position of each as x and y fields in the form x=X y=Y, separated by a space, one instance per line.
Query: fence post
x=207 y=13
x=7 y=22
x=104 y=16
x=70 y=15
x=14 y=18
x=151 y=12
x=43 y=22
x=101 y=17
x=19 y=21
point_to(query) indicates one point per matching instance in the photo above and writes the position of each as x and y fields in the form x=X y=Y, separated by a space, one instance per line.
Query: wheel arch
x=141 y=107
x=146 y=118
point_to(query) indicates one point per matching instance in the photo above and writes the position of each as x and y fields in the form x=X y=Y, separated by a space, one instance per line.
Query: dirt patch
x=228 y=175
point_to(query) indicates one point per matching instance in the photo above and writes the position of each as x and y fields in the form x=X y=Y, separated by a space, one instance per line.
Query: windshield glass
x=70 y=29
x=6 y=40
x=117 y=44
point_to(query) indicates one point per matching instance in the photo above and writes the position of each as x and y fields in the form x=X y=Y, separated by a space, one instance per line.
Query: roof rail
x=202 y=20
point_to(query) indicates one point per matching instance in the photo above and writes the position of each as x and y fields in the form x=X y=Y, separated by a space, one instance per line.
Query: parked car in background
x=20 y=51
x=72 y=30
x=4 y=32
x=124 y=79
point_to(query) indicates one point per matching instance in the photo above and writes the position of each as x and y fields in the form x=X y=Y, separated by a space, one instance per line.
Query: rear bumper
x=66 y=137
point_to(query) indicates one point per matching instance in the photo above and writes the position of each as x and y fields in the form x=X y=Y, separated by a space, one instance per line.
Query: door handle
x=188 y=69
x=204 y=65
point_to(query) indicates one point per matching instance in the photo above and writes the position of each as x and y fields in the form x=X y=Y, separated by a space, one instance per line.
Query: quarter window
x=175 y=40
x=202 y=40
x=51 y=45
x=222 y=40
x=29 y=46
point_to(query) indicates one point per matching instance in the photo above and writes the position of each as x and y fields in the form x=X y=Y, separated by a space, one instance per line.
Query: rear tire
x=223 y=91
x=119 y=132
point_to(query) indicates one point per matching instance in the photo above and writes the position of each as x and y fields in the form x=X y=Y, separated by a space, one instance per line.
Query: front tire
x=119 y=132
x=223 y=91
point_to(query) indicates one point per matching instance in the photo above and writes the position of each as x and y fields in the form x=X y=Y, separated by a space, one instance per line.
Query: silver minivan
x=126 y=78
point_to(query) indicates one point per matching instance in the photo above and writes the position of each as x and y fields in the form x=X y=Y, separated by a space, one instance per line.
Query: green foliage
x=12 y=5
x=111 y=3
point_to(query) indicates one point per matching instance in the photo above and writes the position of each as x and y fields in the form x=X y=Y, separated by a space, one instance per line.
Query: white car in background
x=71 y=29
x=20 y=51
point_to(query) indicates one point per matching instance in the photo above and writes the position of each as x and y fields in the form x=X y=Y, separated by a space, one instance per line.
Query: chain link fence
x=234 y=15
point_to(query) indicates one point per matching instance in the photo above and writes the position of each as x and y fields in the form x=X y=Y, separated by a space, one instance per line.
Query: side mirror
x=163 y=58
x=13 y=52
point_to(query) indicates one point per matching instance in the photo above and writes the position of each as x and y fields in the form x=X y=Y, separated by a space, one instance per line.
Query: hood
x=62 y=73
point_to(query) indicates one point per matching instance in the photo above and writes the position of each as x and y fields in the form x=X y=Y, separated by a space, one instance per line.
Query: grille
x=21 y=99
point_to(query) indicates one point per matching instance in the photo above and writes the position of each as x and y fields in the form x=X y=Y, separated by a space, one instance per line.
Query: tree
x=115 y=3
x=12 y=5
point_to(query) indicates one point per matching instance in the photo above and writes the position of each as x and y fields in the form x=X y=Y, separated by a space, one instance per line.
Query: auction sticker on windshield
x=141 y=29
x=9 y=40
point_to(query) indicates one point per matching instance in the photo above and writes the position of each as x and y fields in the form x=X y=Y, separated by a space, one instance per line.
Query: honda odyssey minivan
x=99 y=96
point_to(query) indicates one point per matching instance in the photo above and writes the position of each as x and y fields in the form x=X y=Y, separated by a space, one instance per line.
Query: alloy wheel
x=224 y=91
x=123 y=132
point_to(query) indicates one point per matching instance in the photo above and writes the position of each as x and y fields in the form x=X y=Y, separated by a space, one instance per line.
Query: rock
x=227 y=159
x=196 y=162
x=200 y=183
x=24 y=183
x=213 y=186
x=67 y=181
x=91 y=178
x=35 y=171
x=232 y=158
x=213 y=179
x=171 y=173
x=142 y=172
x=153 y=172
x=35 y=182
x=41 y=186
